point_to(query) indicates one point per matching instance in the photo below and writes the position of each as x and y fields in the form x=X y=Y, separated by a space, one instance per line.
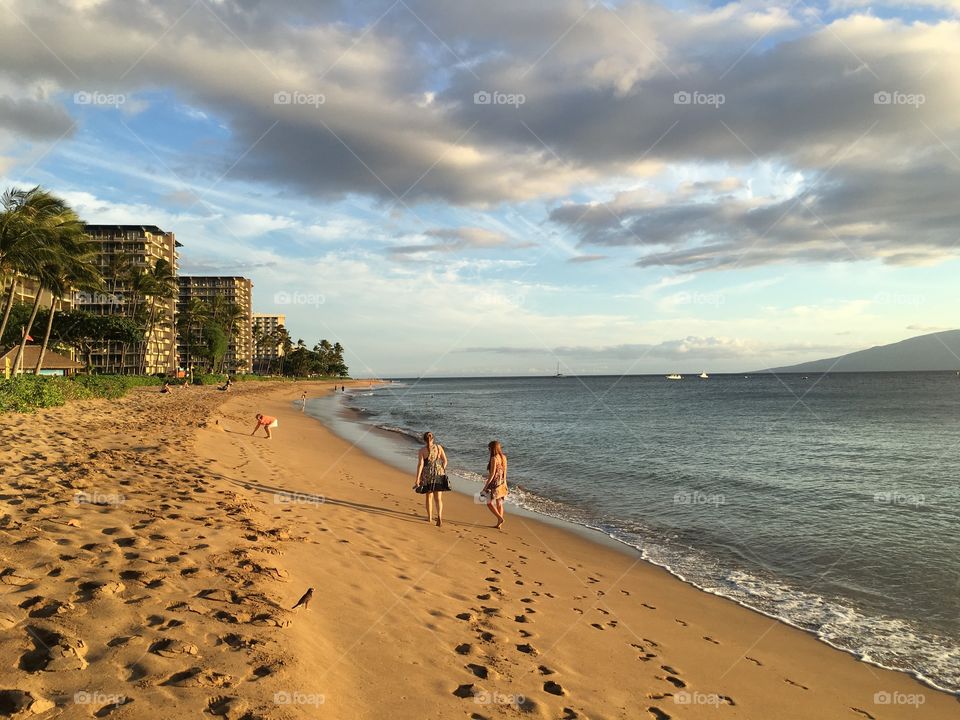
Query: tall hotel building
x=136 y=247
x=230 y=290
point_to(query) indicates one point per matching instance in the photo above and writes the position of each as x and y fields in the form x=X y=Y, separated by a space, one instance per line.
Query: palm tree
x=22 y=246
x=76 y=270
x=161 y=285
x=233 y=317
x=284 y=342
x=195 y=316
x=59 y=234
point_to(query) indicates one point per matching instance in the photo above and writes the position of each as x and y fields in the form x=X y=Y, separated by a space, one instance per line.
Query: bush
x=209 y=379
x=25 y=393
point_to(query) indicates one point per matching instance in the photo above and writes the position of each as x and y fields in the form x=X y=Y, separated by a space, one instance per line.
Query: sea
x=831 y=502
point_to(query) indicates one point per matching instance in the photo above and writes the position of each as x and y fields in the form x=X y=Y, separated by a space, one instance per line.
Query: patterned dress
x=498 y=482
x=431 y=478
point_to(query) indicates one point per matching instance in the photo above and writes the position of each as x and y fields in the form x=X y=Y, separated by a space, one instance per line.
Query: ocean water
x=831 y=502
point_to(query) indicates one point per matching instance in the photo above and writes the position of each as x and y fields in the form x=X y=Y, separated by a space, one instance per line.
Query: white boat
x=559 y=374
x=674 y=376
x=703 y=375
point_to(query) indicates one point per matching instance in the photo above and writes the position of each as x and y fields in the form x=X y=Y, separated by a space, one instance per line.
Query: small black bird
x=305 y=600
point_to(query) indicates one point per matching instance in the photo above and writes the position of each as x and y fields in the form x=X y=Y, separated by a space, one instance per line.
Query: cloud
x=860 y=108
x=687 y=348
x=586 y=258
x=448 y=240
x=34 y=119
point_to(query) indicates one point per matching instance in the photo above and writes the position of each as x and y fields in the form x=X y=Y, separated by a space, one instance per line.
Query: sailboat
x=559 y=374
x=703 y=375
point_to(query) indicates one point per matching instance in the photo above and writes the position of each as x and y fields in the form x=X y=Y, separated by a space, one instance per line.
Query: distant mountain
x=936 y=351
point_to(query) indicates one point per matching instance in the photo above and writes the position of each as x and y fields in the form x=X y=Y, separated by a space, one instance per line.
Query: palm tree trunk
x=9 y=306
x=18 y=360
x=149 y=333
x=46 y=335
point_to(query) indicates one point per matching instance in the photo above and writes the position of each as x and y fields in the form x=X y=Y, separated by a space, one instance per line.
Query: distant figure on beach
x=495 y=489
x=303 y=400
x=343 y=388
x=226 y=386
x=266 y=422
x=165 y=389
x=186 y=384
x=432 y=475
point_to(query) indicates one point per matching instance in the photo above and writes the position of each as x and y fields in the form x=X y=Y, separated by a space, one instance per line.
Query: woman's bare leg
x=439 y=497
x=495 y=506
x=428 y=499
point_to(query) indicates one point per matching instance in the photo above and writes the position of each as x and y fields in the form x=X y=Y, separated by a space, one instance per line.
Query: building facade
x=266 y=351
x=228 y=300
x=124 y=250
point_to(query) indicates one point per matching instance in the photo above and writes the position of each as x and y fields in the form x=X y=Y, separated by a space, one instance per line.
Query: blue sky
x=660 y=187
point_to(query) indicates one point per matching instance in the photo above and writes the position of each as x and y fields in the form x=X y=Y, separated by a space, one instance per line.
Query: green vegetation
x=25 y=393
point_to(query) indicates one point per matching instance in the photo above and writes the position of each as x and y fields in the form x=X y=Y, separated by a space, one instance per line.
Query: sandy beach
x=153 y=551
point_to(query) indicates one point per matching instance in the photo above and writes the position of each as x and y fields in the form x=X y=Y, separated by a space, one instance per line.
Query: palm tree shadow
x=327 y=500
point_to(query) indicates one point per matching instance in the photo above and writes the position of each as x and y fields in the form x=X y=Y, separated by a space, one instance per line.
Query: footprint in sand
x=710 y=640
x=527 y=649
x=481 y=671
x=553 y=688
x=657 y=713
x=680 y=622
x=675 y=681
x=795 y=684
x=463 y=649
x=648 y=607
x=753 y=660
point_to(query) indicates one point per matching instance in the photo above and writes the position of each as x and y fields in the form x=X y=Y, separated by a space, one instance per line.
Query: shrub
x=25 y=393
x=209 y=379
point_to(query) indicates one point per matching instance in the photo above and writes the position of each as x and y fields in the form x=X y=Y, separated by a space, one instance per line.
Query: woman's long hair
x=427 y=438
x=495 y=451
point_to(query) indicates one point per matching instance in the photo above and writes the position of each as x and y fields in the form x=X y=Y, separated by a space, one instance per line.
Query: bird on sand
x=305 y=600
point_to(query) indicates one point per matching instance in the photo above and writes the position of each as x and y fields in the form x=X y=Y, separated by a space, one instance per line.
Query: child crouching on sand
x=266 y=422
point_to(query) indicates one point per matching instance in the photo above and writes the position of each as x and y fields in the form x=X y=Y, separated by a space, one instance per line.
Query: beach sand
x=152 y=552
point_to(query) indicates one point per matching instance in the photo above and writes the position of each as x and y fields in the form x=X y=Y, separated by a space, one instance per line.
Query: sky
x=497 y=188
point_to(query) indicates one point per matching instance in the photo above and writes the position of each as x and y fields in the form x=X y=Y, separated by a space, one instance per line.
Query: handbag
x=445 y=483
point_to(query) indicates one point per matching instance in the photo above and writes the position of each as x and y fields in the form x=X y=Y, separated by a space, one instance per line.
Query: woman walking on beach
x=432 y=475
x=495 y=488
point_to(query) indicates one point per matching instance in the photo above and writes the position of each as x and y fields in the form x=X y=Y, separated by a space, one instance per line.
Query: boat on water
x=703 y=375
x=559 y=374
x=674 y=376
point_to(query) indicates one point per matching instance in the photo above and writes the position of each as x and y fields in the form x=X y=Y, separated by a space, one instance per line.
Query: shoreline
x=811 y=653
x=168 y=590
x=345 y=415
